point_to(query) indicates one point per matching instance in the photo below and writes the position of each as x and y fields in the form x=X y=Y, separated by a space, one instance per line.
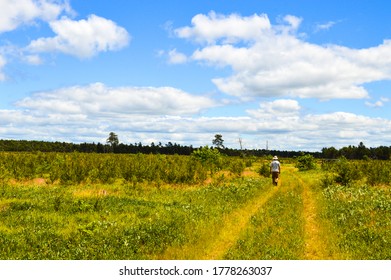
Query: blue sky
x=300 y=75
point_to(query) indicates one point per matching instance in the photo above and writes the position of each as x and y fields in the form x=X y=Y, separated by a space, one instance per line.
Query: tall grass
x=89 y=206
x=360 y=216
x=112 y=221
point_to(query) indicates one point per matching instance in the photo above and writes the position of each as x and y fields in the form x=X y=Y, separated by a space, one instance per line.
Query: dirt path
x=317 y=246
x=314 y=244
x=215 y=246
x=235 y=223
x=216 y=243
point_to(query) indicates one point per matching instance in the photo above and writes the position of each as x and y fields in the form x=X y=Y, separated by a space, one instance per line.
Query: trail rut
x=235 y=223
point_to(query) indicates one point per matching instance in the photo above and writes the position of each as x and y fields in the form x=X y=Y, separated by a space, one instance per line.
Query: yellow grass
x=85 y=193
x=318 y=241
x=214 y=241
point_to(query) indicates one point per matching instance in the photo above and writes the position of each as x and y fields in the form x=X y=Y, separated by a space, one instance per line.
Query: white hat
x=275 y=157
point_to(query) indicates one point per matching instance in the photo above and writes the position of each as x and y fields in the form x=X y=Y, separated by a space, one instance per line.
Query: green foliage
x=359 y=211
x=76 y=168
x=112 y=206
x=218 y=141
x=236 y=166
x=264 y=170
x=327 y=180
x=127 y=223
x=306 y=162
x=209 y=157
x=347 y=172
x=377 y=172
x=361 y=218
x=112 y=139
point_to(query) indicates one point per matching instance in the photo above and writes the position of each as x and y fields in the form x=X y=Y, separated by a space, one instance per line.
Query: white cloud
x=98 y=99
x=324 y=26
x=277 y=109
x=18 y=12
x=376 y=104
x=289 y=24
x=175 y=57
x=89 y=113
x=83 y=38
x=346 y=127
x=33 y=59
x=213 y=27
x=379 y=103
x=273 y=61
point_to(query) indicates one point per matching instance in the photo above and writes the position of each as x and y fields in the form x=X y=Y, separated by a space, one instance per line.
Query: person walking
x=275 y=169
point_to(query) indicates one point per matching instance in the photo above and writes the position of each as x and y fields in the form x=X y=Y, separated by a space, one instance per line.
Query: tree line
x=133 y=148
x=358 y=152
x=350 y=152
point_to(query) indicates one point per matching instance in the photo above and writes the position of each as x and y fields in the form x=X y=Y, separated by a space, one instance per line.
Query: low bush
x=306 y=162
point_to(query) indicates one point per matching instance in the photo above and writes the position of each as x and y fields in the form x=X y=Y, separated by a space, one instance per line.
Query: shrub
x=209 y=156
x=305 y=162
x=264 y=170
x=327 y=181
x=347 y=172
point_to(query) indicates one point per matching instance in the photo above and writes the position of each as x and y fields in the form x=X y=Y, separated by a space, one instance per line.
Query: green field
x=88 y=206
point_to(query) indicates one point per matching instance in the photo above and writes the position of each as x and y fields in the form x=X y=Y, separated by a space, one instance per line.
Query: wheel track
x=218 y=243
x=235 y=223
x=315 y=246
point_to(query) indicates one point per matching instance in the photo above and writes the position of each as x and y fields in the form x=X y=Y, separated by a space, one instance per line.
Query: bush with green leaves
x=209 y=156
x=347 y=172
x=264 y=170
x=306 y=162
x=344 y=172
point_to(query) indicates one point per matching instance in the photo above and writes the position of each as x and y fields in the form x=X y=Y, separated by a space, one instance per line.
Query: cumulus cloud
x=164 y=114
x=98 y=99
x=273 y=61
x=88 y=113
x=214 y=27
x=347 y=126
x=175 y=57
x=83 y=38
x=277 y=109
x=19 y=12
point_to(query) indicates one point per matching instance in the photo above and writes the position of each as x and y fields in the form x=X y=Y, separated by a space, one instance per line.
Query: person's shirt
x=275 y=166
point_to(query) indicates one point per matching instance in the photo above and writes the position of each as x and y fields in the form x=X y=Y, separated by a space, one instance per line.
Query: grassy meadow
x=141 y=207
